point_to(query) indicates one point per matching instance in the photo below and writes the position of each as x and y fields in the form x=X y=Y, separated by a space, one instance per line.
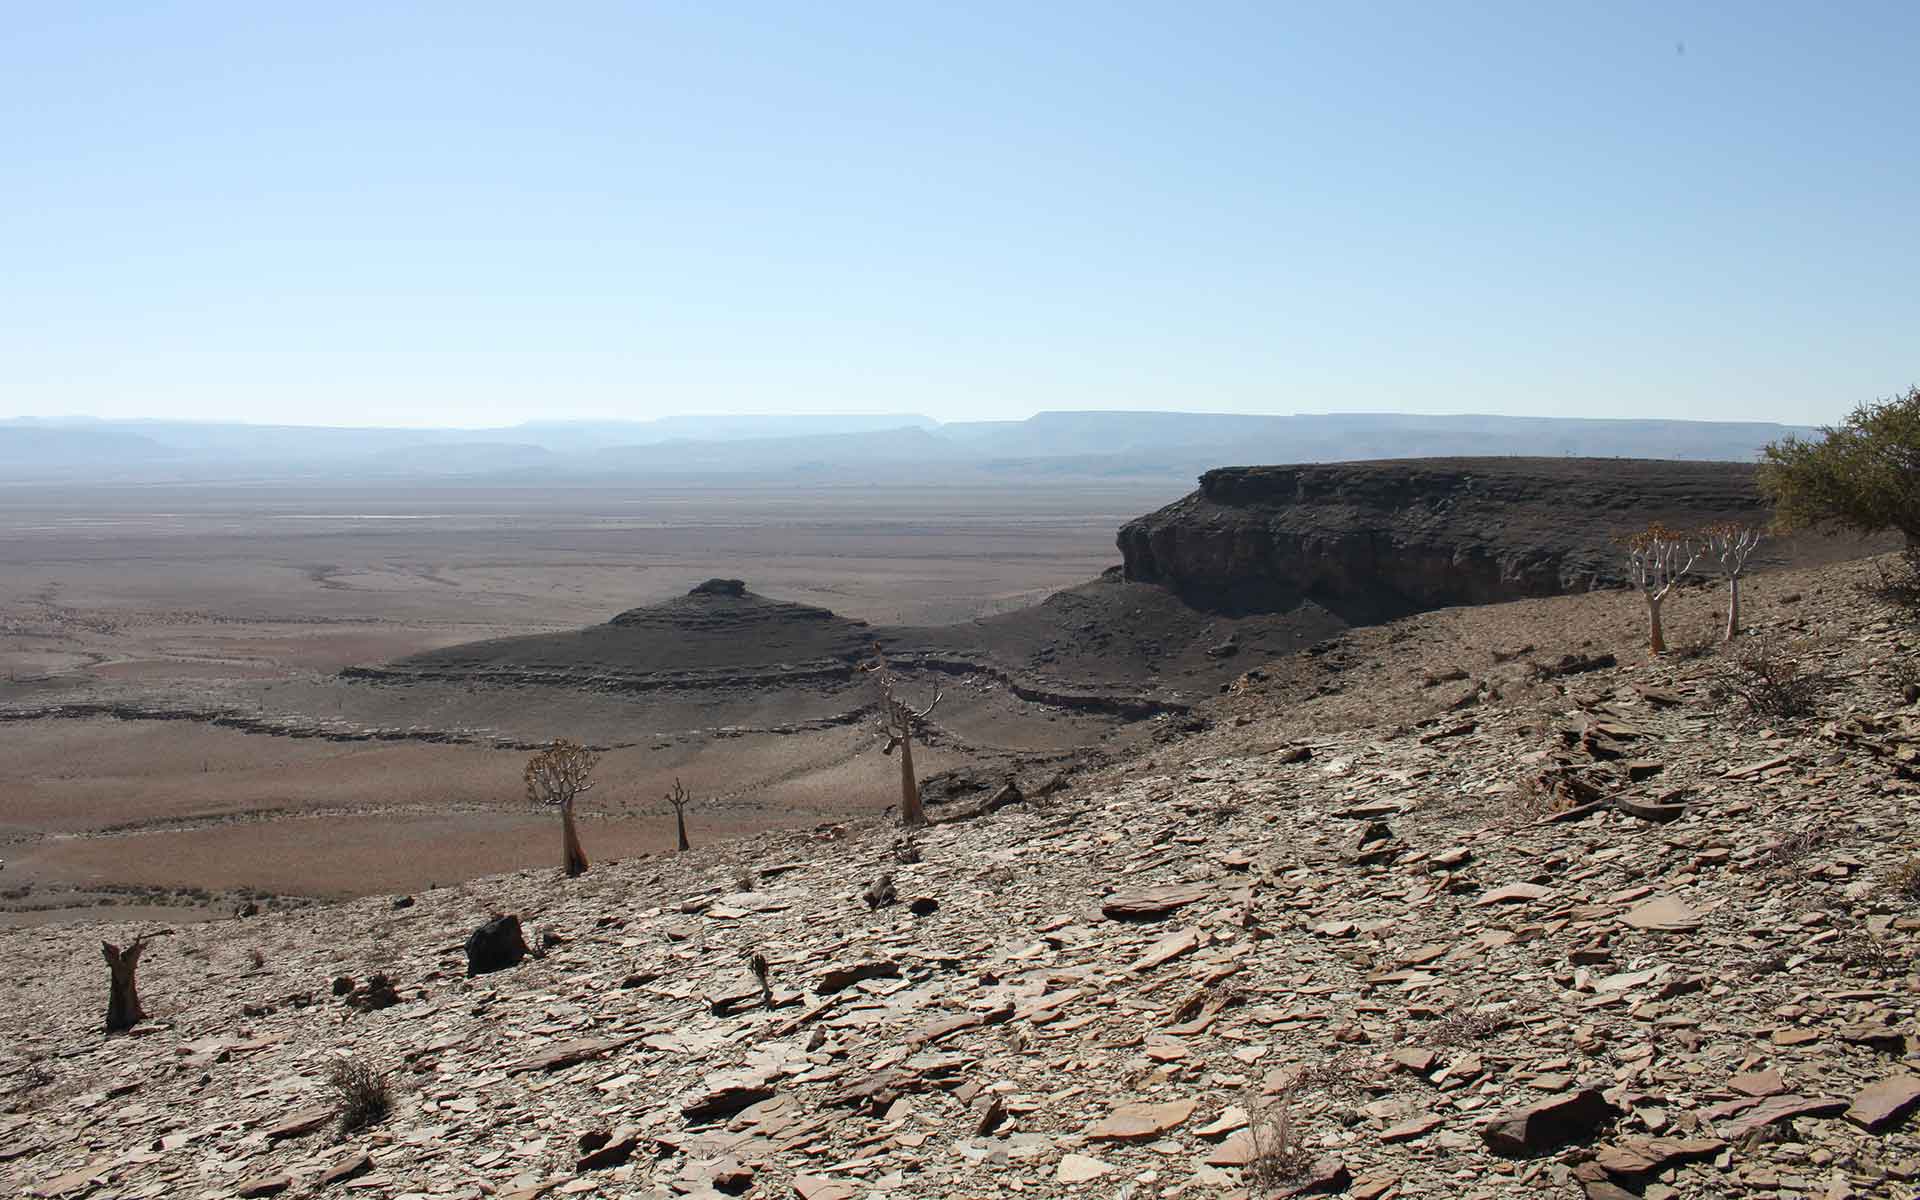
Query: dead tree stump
x=123 y=990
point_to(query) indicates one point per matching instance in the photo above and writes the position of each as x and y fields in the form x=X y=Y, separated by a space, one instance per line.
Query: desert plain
x=191 y=599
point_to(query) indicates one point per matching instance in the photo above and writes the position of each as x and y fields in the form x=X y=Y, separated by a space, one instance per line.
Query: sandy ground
x=202 y=594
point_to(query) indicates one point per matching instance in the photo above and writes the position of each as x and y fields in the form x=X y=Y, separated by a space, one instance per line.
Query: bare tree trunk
x=1656 y=637
x=123 y=994
x=911 y=813
x=680 y=819
x=1733 y=608
x=576 y=858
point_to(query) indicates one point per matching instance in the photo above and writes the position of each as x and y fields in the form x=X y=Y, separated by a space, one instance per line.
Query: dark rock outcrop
x=495 y=946
x=1376 y=540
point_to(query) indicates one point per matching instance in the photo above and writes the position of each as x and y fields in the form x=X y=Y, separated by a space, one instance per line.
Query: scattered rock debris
x=1696 y=981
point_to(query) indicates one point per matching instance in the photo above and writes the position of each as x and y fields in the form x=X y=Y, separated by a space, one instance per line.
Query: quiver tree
x=1729 y=543
x=678 y=797
x=557 y=776
x=1656 y=559
x=123 y=991
x=900 y=721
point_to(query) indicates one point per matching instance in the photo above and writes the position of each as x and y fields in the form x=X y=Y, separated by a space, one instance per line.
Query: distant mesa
x=1372 y=541
x=718 y=625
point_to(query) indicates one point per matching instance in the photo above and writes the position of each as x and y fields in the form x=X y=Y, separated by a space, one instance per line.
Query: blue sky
x=476 y=213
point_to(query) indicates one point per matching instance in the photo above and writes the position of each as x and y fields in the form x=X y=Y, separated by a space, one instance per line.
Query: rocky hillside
x=1606 y=934
x=1376 y=540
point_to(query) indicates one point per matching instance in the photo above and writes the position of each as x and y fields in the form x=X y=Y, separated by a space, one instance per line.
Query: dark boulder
x=1548 y=1124
x=376 y=993
x=496 y=946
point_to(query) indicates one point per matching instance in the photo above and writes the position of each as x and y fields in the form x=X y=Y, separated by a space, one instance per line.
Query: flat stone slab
x=1078 y=1168
x=1783 y=1108
x=819 y=1187
x=1150 y=904
x=723 y=1101
x=566 y=1054
x=1759 y=1084
x=1663 y=913
x=845 y=975
x=1514 y=893
x=1236 y=1151
x=1166 y=950
x=1645 y=1156
x=303 y=1122
x=1137 y=1122
x=1407 y=1131
x=1881 y=1104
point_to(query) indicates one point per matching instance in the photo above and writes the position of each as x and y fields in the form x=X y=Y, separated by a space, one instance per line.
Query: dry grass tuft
x=1533 y=798
x=1797 y=847
x=361 y=1093
x=1340 y=1074
x=1463 y=1027
x=1278 y=1157
x=1860 y=952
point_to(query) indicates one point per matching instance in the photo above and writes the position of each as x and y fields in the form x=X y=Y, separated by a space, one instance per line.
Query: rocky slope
x=1107 y=647
x=1604 y=935
x=1375 y=540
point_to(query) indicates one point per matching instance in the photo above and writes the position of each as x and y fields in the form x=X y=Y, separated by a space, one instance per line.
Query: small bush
x=1905 y=884
x=1906 y=679
x=1898 y=586
x=1278 y=1158
x=1771 y=682
x=361 y=1094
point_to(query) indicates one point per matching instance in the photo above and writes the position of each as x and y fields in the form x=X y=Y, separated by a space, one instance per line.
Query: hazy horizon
x=477 y=215
x=906 y=418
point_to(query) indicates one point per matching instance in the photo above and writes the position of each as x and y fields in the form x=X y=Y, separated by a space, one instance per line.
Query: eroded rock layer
x=1376 y=540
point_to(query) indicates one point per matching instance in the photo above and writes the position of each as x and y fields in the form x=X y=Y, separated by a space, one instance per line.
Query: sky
x=475 y=214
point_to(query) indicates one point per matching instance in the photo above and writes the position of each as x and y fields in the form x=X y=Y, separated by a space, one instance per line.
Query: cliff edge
x=1372 y=541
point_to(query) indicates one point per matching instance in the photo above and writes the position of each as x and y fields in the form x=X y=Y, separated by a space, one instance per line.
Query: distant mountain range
x=800 y=449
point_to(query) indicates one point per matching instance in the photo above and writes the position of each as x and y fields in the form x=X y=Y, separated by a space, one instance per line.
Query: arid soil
x=233 y=695
x=236 y=603
x=1499 y=908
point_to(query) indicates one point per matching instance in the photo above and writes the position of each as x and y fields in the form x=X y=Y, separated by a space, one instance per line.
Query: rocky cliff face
x=1375 y=540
